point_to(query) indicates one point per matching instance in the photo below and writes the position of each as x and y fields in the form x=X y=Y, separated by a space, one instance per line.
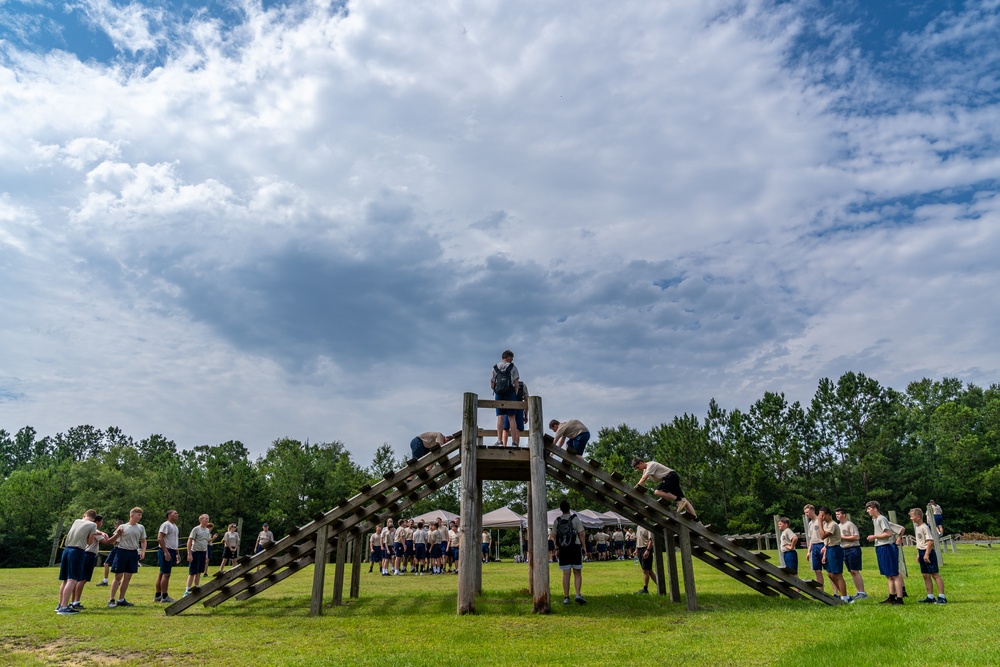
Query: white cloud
x=321 y=210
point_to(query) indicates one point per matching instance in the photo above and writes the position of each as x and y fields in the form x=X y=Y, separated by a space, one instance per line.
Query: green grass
x=411 y=621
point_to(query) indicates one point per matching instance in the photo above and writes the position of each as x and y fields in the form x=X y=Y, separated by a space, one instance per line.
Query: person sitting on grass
x=669 y=486
x=927 y=557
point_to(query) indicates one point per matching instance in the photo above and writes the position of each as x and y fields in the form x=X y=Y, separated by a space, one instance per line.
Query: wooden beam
x=319 y=573
x=659 y=545
x=467 y=555
x=675 y=584
x=502 y=405
x=338 y=575
x=357 y=558
x=688 y=567
x=541 y=596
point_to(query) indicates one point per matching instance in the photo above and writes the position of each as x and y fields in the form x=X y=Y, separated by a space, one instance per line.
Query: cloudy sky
x=325 y=220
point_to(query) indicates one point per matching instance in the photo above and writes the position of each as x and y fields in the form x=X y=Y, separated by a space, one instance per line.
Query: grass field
x=411 y=620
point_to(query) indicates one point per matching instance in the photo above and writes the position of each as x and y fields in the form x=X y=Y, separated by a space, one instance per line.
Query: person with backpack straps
x=505 y=383
x=570 y=541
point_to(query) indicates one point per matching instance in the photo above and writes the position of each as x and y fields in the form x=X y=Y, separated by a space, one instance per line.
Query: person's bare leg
x=577 y=580
x=565 y=583
x=500 y=431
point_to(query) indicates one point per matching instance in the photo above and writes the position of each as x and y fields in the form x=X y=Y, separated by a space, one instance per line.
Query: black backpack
x=565 y=535
x=504 y=383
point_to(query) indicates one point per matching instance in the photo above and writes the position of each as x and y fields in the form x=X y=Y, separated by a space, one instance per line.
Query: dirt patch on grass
x=74 y=653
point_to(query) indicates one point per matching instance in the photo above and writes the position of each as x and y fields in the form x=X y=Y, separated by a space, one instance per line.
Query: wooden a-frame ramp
x=351 y=520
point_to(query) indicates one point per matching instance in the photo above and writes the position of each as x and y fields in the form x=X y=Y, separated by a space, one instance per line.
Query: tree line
x=855 y=441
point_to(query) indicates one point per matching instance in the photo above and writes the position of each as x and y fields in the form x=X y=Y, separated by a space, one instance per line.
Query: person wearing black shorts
x=669 y=486
x=230 y=548
x=644 y=548
x=570 y=539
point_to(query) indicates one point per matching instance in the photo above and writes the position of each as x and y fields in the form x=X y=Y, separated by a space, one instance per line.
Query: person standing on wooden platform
x=573 y=432
x=669 y=486
x=571 y=542
x=814 y=543
x=850 y=539
x=505 y=383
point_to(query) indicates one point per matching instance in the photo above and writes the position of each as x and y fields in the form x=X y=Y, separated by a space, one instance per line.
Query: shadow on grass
x=506 y=604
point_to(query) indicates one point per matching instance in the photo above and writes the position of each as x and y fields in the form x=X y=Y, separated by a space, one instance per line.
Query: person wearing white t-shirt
x=927 y=558
x=885 y=552
x=166 y=555
x=669 y=486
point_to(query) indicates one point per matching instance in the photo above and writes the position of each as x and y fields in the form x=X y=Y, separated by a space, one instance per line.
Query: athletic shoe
x=580 y=600
x=898 y=601
x=186 y=593
x=104 y=582
x=927 y=600
x=889 y=600
x=565 y=600
x=642 y=591
x=157 y=598
x=125 y=603
x=111 y=604
x=848 y=599
x=498 y=444
x=166 y=599
x=942 y=600
x=66 y=611
x=77 y=605
x=861 y=596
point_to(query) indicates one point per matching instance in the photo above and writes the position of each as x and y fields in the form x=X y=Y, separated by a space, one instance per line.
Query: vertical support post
x=338 y=575
x=675 y=584
x=659 y=542
x=319 y=572
x=55 y=543
x=477 y=536
x=777 y=540
x=531 y=561
x=539 y=546
x=688 y=566
x=239 y=532
x=359 y=553
x=902 y=559
x=467 y=505
x=932 y=524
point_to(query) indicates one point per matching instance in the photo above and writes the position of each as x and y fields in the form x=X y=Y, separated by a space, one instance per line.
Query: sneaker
x=898 y=601
x=565 y=600
x=157 y=598
x=847 y=598
x=861 y=596
x=642 y=591
x=111 y=604
x=104 y=582
x=498 y=444
x=77 y=605
x=580 y=600
x=66 y=611
x=186 y=593
x=166 y=599
x=928 y=600
x=888 y=600
x=125 y=603
x=942 y=600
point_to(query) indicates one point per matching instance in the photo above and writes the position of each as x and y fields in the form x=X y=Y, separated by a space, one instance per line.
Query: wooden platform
x=503 y=464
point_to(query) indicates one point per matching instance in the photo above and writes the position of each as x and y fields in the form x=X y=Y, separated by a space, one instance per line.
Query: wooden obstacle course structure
x=344 y=526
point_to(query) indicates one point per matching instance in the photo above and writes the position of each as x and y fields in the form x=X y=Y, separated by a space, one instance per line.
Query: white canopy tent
x=444 y=516
x=597 y=517
x=587 y=521
x=504 y=518
x=612 y=518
